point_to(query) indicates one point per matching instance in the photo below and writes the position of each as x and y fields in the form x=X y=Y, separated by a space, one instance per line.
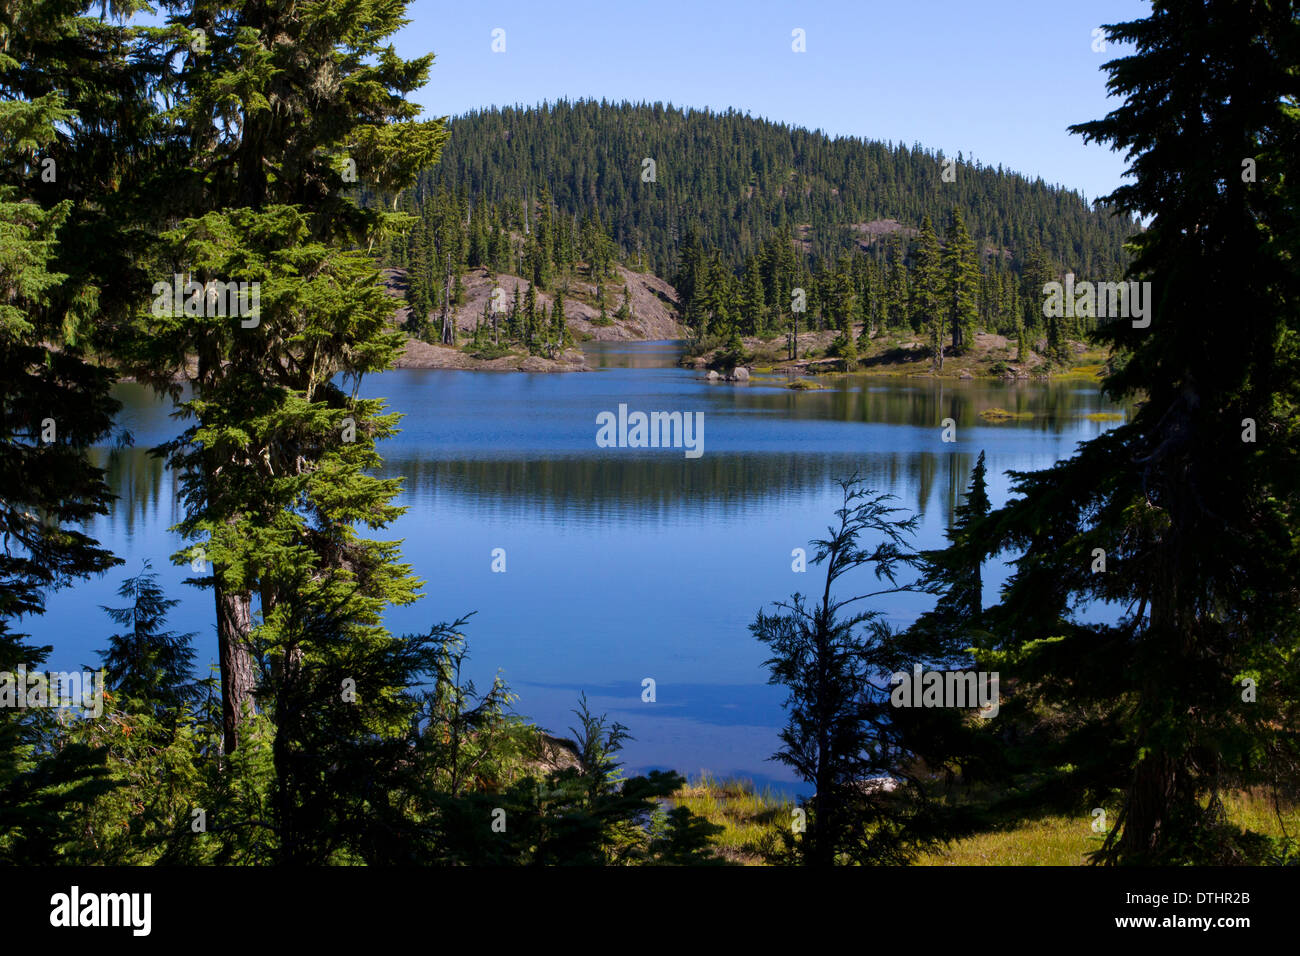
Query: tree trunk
x=1159 y=798
x=448 y=322
x=234 y=619
x=1151 y=796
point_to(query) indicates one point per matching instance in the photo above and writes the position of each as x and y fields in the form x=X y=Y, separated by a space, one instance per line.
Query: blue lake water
x=621 y=564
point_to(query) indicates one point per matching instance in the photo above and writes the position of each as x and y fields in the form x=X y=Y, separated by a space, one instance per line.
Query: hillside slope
x=653 y=308
x=734 y=180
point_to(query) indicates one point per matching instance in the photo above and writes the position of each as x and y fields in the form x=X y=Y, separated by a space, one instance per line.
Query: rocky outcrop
x=652 y=309
x=417 y=354
x=878 y=785
x=737 y=374
x=553 y=754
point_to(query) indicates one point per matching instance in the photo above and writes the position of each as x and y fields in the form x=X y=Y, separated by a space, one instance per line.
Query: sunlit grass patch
x=750 y=818
x=1086 y=373
x=996 y=414
x=1058 y=840
x=1049 y=841
x=1255 y=810
x=752 y=821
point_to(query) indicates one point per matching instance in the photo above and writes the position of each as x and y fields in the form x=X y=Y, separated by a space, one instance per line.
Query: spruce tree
x=1185 y=516
x=148 y=665
x=278 y=457
x=843 y=307
x=927 y=304
x=559 y=328
x=954 y=574
x=753 y=305
x=951 y=635
x=530 y=317
x=61 y=271
x=840 y=729
x=961 y=281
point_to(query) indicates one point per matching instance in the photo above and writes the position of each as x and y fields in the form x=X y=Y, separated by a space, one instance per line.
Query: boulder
x=551 y=754
x=878 y=785
x=739 y=374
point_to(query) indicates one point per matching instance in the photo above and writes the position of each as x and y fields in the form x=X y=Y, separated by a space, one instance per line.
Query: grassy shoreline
x=990 y=358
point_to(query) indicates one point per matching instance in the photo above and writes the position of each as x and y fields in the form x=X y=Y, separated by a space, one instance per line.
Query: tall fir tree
x=148 y=665
x=1185 y=516
x=278 y=455
x=961 y=283
x=927 y=303
x=65 y=245
x=839 y=730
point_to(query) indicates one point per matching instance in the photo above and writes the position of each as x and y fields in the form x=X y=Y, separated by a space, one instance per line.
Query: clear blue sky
x=999 y=80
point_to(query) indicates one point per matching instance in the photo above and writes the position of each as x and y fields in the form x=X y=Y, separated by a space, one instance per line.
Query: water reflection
x=623 y=563
x=646 y=489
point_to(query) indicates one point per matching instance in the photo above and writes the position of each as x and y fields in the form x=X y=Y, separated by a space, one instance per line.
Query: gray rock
x=712 y=376
x=739 y=374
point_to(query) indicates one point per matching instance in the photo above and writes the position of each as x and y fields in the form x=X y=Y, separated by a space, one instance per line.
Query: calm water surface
x=622 y=564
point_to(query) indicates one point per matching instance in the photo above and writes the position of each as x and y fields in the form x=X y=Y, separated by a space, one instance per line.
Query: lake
x=621 y=563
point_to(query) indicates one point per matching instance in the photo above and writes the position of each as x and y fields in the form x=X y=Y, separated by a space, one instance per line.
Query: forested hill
x=736 y=180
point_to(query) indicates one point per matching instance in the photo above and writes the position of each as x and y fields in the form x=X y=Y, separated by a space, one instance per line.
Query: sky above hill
x=998 y=80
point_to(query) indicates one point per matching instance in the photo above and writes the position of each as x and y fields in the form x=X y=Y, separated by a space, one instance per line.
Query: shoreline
x=991 y=359
x=417 y=354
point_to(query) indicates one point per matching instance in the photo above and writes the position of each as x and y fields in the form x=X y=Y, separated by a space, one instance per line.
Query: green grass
x=752 y=818
x=996 y=414
x=1066 y=840
x=749 y=817
x=1104 y=417
x=1049 y=841
x=1083 y=373
x=1254 y=810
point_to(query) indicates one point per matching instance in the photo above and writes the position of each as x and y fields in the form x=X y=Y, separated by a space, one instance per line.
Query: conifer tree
x=278 y=456
x=955 y=575
x=559 y=329
x=61 y=266
x=753 y=305
x=530 y=317
x=838 y=295
x=149 y=666
x=1176 y=516
x=514 y=320
x=840 y=729
x=928 y=306
x=961 y=281
x=625 y=307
